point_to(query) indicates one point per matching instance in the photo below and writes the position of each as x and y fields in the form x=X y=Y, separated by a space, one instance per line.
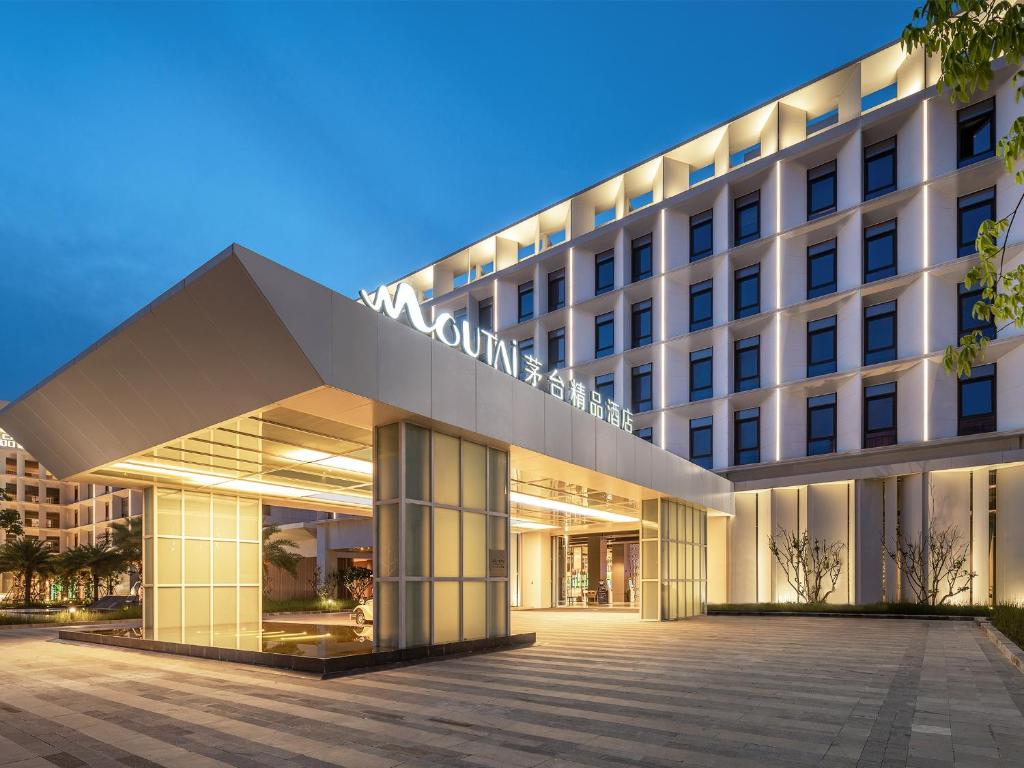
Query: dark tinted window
x=604 y=334
x=747 y=290
x=747 y=218
x=640 y=261
x=880 y=333
x=525 y=350
x=702 y=442
x=485 y=314
x=641 y=323
x=880 y=415
x=976 y=132
x=645 y=433
x=966 y=321
x=747 y=436
x=971 y=210
x=556 y=349
x=701 y=305
x=525 y=301
x=556 y=290
x=880 y=168
x=604 y=272
x=701 y=374
x=701 y=231
x=821 y=424
x=747 y=364
x=821 y=269
x=821 y=346
x=821 y=190
x=604 y=385
x=977 y=401
x=642 y=380
x=880 y=251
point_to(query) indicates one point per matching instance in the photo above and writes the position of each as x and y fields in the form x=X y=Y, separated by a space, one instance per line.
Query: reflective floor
x=316 y=640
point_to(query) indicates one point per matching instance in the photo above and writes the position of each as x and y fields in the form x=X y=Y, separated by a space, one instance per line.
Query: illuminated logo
x=6 y=441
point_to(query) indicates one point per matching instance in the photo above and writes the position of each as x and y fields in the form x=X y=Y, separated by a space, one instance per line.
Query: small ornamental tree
x=812 y=566
x=935 y=568
x=358 y=581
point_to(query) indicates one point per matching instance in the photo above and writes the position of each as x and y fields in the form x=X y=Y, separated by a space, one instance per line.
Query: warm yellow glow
x=529 y=525
x=925 y=258
x=346 y=463
x=553 y=505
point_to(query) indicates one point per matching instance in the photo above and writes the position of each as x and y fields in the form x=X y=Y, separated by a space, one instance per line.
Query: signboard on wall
x=497 y=563
x=8 y=442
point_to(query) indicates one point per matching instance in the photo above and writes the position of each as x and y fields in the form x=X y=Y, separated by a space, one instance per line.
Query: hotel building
x=613 y=401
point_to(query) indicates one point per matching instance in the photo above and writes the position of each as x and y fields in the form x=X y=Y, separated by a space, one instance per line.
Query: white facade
x=773 y=155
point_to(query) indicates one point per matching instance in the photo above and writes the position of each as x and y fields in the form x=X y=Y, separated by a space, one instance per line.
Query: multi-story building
x=772 y=299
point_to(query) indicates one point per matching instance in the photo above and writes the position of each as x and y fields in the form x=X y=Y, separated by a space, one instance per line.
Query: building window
x=880 y=251
x=702 y=441
x=746 y=436
x=460 y=316
x=821 y=346
x=747 y=218
x=642 y=380
x=556 y=290
x=747 y=291
x=880 y=168
x=645 y=433
x=604 y=334
x=971 y=210
x=604 y=272
x=976 y=132
x=641 y=258
x=880 y=415
x=556 y=349
x=641 y=323
x=526 y=301
x=821 y=269
x=701 y=235
x=821 y=424
x=821 y=190
x=525 y=350
x=880 y=333
x=604 y=385
x=701 y=305
x=976 y=401
x=747 y=364
x=485 y=314
x=701 y=370
x=966 y=321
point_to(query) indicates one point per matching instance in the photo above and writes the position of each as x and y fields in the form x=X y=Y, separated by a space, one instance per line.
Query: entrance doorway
x=596 y=570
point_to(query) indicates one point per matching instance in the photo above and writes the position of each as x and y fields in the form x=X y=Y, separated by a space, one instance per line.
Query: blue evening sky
x=352 y=143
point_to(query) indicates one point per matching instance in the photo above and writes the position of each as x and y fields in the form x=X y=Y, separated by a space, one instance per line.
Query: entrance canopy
x=249 y=378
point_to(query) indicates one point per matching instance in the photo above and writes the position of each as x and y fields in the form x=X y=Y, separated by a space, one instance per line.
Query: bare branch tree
x=812 y=566
x=936 y=570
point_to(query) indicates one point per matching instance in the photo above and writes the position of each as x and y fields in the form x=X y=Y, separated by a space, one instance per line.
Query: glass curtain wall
x=673 y=540
x=202 y=571
x=441 y=538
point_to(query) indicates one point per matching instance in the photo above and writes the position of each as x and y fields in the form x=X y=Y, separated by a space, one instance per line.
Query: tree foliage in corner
x=967 y=36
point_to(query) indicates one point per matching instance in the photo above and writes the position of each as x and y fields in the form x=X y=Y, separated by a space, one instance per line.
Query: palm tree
x=276 y=553
x=101 y=561
x=68 y=567
x=28 y=557
x=126 y=538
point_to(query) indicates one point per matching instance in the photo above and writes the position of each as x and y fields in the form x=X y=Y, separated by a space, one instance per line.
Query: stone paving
x=596 y=690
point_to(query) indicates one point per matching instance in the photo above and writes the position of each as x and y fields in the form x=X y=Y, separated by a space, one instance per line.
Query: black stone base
x=330 y=667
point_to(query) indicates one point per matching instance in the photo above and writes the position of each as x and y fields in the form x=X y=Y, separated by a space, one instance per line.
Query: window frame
x=556 y=276
x=876 y=232
x=820 y=403
x=526 y=347
x=743 y=203
x=739 y=418
x=485 y=304
x=638 y=309
x=877 y=438
x=600 y=260
x=742 y=349
x=984 y=197
x=700 y=357
x=819 y=251
x=710 y=291
x=873 y=312
x=822 y=326
x=987 y=328
x=523 y=290
x=636 y=248
x=751 y=272
x=972 y=114
x=637 y=373
x=601 y=322
x=645 y=433
x=556 y=334
x=699 y=220
x=872 y=153
x=814 y=175
x=602 y=380
x=982 y=423
x=707 y=423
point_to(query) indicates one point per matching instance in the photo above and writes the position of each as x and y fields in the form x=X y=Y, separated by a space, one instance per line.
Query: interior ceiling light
x=553 y=505
x=529 y=525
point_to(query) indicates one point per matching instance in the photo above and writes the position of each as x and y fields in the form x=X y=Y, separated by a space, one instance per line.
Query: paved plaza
x=597 y=690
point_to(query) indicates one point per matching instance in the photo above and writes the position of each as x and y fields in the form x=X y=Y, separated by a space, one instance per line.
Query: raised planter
x=845 y=615
x=1003 y=644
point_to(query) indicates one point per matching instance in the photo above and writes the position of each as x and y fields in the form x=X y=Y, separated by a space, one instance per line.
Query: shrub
x=1008 y=618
